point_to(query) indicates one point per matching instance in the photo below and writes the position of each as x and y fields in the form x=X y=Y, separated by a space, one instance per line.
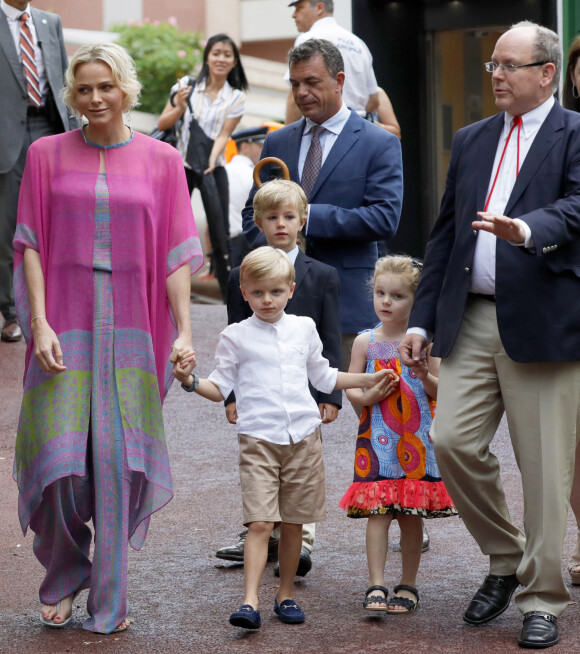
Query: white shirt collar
x=334 y=124
x=292 y=255
x=12 y=12
x=266 y=325
x=532 y=120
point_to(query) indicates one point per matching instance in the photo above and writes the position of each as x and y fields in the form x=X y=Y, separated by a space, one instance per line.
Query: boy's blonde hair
x=266 y=262
x=277 y=192
x=122 y=68
x=399 y=264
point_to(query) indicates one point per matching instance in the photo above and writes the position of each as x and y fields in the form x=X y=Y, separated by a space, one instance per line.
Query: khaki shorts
x=282 y=483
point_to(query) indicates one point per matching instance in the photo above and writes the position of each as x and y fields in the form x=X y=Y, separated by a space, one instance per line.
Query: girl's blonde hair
x=122 y=68
x=266 y=262
x=399 y=264
x=277 y=192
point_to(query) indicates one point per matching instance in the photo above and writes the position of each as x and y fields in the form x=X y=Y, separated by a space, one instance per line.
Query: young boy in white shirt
x=268 y=360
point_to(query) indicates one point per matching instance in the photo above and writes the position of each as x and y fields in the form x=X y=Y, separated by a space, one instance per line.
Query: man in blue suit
x=500 y=293
x=356 y=196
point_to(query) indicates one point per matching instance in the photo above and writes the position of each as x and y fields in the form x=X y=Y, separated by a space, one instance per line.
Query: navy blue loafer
x=289 y=611
x=246 y=617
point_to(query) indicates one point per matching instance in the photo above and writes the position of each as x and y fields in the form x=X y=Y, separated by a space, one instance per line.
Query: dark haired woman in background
x=215 y=104
x=571 y=100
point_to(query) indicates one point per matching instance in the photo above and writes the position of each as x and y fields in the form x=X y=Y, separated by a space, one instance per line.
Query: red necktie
x=517 y=121
x=29 y=63
x=313 y=161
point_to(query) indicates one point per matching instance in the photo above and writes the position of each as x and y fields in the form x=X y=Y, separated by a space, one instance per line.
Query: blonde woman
x=104 y=246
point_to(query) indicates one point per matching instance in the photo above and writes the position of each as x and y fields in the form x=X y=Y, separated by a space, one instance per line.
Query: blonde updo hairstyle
x=402 y=265
x=122 y=69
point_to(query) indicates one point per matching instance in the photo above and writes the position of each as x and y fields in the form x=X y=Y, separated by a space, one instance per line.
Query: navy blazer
x=537 y=290
x=356 y=201
x=316 y=296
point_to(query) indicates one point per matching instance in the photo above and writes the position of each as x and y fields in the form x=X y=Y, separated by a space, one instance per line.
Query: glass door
x=458 y=93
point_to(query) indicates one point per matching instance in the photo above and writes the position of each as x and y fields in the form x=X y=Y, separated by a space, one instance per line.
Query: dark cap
x=251 y=135
x=294 y=3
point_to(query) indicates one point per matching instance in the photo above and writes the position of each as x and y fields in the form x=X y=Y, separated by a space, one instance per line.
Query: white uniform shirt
x=360 y=80
x=240 y=172
x=483 y=274
x=268 y=365
x=211 y=116
x=13 y=16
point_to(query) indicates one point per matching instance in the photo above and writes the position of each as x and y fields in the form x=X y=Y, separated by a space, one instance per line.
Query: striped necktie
x=29 y=62
x=313 y=161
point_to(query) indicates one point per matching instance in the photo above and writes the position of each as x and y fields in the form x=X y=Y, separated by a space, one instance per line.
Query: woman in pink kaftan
x=104 y=247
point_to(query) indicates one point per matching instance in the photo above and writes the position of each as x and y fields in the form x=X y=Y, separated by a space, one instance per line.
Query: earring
x=574 y=92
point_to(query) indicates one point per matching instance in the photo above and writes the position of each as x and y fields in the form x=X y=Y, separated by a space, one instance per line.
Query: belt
x=36 y=111
x=483 y=296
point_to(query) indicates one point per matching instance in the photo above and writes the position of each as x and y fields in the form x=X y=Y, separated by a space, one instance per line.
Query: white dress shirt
x=13 y=16
x=483 y=272
x=360 y=80
x=333 y=127
x=268 y=365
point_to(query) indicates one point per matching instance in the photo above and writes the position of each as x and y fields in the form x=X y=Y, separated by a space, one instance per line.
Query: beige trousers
x=477 y=383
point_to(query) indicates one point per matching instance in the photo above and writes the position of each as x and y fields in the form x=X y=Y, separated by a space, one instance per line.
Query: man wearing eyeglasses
x=500 y=295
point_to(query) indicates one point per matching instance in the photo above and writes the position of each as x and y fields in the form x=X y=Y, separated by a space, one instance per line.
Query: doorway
x=459 y=93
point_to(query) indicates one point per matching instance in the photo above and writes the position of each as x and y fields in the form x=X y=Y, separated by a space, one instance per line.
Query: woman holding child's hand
x=104 y=248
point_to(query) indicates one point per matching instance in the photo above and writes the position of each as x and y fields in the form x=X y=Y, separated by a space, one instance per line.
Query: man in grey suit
x=25 y=119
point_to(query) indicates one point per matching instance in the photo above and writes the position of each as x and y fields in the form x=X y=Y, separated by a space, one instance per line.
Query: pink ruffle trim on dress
x=427 y=496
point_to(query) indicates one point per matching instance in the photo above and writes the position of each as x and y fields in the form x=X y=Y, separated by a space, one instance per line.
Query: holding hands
x=382 y=384
x=184 y=361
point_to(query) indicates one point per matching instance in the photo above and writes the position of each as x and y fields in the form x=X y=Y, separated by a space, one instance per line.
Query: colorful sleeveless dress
x=395 y=470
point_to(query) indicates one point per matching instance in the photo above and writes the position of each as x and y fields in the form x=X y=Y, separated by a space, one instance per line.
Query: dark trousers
x=36 y=126
x=214 y=191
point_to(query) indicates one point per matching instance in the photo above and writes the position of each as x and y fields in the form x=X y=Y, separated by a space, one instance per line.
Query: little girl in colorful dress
x=395 y=472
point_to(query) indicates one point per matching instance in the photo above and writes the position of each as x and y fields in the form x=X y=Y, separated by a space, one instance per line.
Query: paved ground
x=181 y=598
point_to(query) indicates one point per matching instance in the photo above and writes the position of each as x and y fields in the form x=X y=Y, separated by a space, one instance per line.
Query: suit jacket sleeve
x=556 y=227
x=329 y=332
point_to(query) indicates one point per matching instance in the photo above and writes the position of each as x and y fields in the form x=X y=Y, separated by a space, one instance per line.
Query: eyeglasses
x=491 y=66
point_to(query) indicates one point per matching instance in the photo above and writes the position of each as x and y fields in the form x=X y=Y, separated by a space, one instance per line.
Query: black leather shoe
x=304 y=565
x=236 y=552
x=11 y=332
x=492 y=598
x=540 y=630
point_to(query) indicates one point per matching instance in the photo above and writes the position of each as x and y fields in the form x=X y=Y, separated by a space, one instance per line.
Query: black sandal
x=408 y=605
x=376 y=599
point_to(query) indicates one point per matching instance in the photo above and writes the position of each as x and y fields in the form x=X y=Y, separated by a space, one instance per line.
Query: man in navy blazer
x=500 y=293
x=357 y=196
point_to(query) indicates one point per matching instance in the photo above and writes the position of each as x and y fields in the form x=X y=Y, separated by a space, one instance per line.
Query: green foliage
x=162 y=54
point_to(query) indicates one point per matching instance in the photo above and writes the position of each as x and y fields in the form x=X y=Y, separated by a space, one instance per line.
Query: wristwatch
x=194 y=384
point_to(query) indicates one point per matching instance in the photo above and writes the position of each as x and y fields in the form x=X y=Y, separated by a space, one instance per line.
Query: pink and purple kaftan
x=153 y=234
